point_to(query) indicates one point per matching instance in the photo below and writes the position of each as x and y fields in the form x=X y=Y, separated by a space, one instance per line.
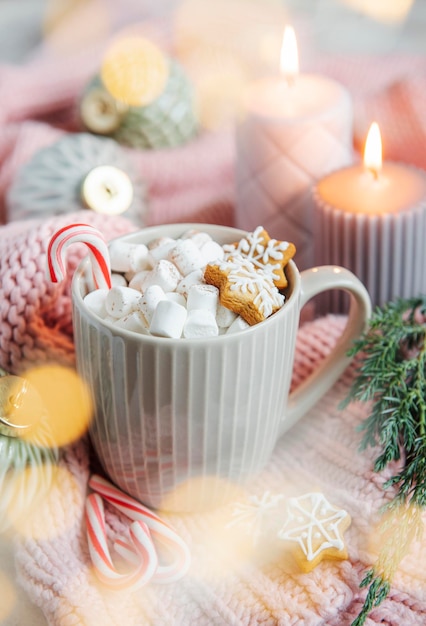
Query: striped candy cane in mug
x=98 y=251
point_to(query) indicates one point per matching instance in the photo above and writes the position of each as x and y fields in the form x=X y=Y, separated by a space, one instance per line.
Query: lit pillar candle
x=295 y=128
x=371 y=218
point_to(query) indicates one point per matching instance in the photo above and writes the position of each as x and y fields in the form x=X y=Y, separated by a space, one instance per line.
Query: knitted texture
x=230 y=582
x=35 y=315
x=40 y=102
x=195 y=183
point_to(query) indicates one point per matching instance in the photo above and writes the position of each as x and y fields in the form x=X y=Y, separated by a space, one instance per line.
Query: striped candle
x=371 y=219
x=293 y=130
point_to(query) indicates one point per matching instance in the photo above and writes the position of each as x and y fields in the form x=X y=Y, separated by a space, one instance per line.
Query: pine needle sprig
x=391 y=377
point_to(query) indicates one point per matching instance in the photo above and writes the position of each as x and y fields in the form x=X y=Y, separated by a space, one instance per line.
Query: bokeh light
x=21 y=406
x=66 y=401
x=387 y=11
x=224 y=45
x=134 y=71
x=8 y=597
x=219 y=79
x=23 y=492
x=200 y=493
x=63 y=494
x=71 y=26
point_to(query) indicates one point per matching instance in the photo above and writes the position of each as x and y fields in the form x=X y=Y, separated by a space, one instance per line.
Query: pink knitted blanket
x=225 y=586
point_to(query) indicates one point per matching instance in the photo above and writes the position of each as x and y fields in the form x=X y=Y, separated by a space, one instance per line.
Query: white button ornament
x=100 y=112
x=76 y=172
x=108 y=190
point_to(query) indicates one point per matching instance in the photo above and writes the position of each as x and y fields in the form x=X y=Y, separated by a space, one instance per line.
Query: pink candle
x=295 y=128
x=371 y=218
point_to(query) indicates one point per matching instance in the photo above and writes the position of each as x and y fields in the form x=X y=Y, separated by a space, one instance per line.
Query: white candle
x=295 y=128
x=371 y=218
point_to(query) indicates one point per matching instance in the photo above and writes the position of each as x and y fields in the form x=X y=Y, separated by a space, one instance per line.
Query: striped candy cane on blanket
x=142 y=546
x=159 y=531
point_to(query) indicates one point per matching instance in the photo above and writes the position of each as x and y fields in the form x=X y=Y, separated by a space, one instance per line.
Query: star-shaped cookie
x=316 y=527
x=269 y=255
x=244 y=289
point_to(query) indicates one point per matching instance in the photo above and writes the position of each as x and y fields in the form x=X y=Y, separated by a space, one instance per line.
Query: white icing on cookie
x=265 y=255
x=243 y=276
x=313 y=523
x=250 y=515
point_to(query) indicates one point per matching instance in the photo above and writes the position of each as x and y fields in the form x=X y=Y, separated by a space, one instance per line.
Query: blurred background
x=223 y=43
x=379 y=26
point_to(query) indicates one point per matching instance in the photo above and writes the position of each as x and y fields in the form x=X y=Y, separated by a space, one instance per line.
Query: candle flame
x=289 y=61
x=373 y=150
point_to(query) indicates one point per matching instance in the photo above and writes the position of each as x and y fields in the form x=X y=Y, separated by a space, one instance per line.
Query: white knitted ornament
x=168 y=121
x=76 y=172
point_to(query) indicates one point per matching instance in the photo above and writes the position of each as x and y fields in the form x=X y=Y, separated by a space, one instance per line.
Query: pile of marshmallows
x=159 y=289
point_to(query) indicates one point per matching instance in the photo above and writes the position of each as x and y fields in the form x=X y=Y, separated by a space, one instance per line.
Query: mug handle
x=315 y=281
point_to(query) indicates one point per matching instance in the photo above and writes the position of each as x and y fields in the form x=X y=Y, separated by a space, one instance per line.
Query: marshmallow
x=125 y=257
x=134 y=322
x=212 y=251
x=203 y=297
x=120 y=301
x=164 y=274
x=176 y=297
x=224 y=316
x=110 y=318
x=197 y=236
x=200 y=323
x=194 y=278
x=150 y=299
x=238 y=324
x=160 y=248
x=186 y=256
x=118 y=280
x=95 y=301
x=137 y=280
x=160 y=288
x=168 y=320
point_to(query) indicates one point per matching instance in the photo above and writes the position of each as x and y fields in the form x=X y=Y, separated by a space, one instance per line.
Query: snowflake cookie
x=243 y=288
x=252 y=515
x=316 y=528
x=265 y=253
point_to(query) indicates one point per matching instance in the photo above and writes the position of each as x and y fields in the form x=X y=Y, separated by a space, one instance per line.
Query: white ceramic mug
x=179 y=422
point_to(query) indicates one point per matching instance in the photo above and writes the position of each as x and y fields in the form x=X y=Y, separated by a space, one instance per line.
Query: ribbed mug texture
x=179 y=423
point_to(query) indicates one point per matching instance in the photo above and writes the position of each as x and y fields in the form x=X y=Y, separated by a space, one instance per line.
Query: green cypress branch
x=391 y=377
